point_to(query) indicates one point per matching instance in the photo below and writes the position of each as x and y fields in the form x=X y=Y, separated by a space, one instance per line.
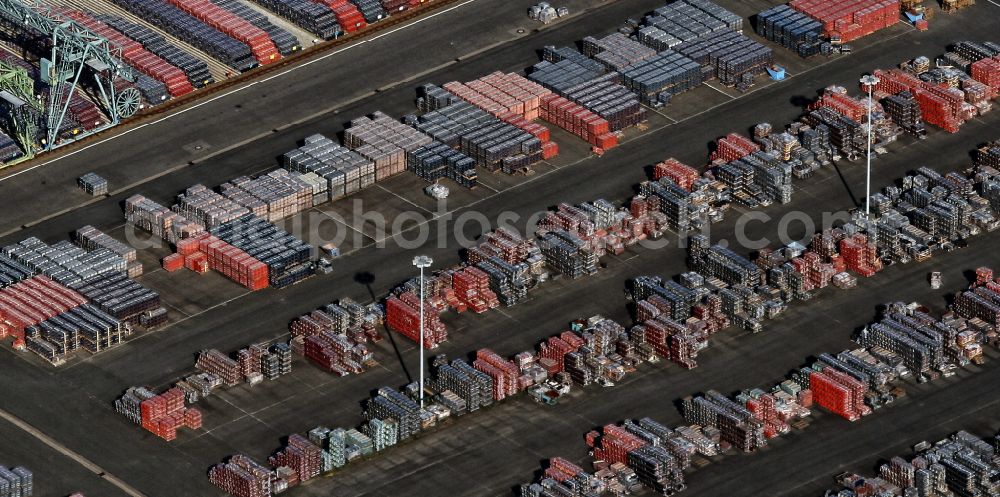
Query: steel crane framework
x=77 y=55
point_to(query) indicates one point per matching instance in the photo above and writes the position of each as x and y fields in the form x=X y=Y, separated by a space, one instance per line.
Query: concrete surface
x=504 y=446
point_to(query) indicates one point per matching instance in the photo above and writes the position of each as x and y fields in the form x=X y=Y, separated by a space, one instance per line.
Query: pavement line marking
x=344 y=222
x=433 y=218
x=708 y=84
x=404 y=199
x=66 y=451
x=247 y=86
x=994 y=3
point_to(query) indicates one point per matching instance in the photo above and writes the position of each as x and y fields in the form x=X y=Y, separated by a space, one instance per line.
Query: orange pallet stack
x=987 y=71
x=512 y=98
x=849 y=20
x=579 y=121
x=348 y=15
x=860 y=255
x=678 y=172
x=732 y=147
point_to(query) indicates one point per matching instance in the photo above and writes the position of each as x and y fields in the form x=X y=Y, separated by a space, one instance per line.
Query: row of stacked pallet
x=702 y=32
x=514 y=100
x=99 y=270
x=475 y=133
x=235 y=27
x=253 y=364
x=284 y=41
x=793 y=30
x=311 y=16
x=960 y=463
x=852 y=19
x=344 y=171
x=191 y=29
x=850 y=384
x=584 y=81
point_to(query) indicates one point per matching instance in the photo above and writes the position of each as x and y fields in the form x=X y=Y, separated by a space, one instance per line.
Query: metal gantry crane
x=76 y=53
x=22 y=109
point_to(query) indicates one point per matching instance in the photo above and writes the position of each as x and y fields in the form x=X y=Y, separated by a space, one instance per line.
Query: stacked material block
x=851 y=19
x=736 y=423
x=286 y=257
x=471 y=385
x=721 y=262
x=681 y=174
x=728 y=56
x=578 y=120
x=207 y=251
x=987 y=71
x=163 y=414
x=656 y=79
x=602 y=95
x=301 y=455
x=838 y=393
x=221 y=365
x=191 y=29
x=122 y=298
x=616 y=51
x=91 y=238
x=692 y=18
x=348 y=16
x=500 y=93
x=567 y=254
x=563 y=68
x=93 y=184
x=384 y=141
x=791 y=29
x=345 y=170
x=16 y=482
x=861 y=255
x=27 y=304
x=437 y=160
x=273 y=196
x=207 y=207
x=284 y=41
x=242 y=477
x=194 y=68
x=372 y=10
x=384 y=433
x=337 y=353
x=503 y=373
x=391 y=404
x=904 y=110
x=614 y=444
x=64 y=262
x=260 y=44
x=311 y=16
x=12 y=271
x=158 y=220
x=403 y=315
x=733 y=146
x=491 y=142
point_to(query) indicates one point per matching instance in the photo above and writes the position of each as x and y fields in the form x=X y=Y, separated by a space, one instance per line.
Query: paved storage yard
x=501 y=447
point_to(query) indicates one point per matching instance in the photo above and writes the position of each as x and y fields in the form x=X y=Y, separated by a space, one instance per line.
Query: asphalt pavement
x=505 y=445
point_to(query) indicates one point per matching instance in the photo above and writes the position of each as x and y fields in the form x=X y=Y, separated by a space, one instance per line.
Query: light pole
x=422 y=261
x=870 y=81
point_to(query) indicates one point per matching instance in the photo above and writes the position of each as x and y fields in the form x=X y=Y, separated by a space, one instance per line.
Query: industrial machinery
x=71 y=58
